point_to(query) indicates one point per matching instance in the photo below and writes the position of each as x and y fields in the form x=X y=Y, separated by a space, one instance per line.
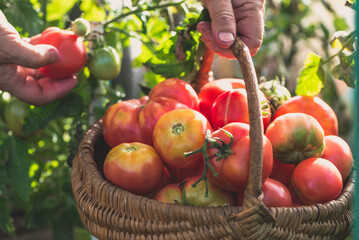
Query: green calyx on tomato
x=105 y=63
x=224 y=150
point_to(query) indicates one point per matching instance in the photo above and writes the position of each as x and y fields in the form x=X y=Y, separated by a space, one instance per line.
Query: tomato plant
x=313 y=106
x=338 y=152
x=105 y=63
x=15 y=113
x=134 y=120
x=80 y=27
x=72 y=53
x=177 y=132
x=295 y=137
x=135 y=167
x=211 y=90
x=232 y=106
x=316 y=180
x=195 y=194
x=230 y=160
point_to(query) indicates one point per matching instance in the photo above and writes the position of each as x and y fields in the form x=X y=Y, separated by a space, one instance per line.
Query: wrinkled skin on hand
x=229 y=19
x=19 y=61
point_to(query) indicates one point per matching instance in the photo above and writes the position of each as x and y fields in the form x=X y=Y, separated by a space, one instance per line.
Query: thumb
x=32 y=56
x=223 y=22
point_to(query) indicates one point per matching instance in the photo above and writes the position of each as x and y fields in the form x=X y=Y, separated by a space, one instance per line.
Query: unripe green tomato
x=105 y=63
x=80 y=27
x=15 y=113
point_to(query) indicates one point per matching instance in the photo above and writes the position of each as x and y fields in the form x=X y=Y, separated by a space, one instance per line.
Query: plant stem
x=142 y=9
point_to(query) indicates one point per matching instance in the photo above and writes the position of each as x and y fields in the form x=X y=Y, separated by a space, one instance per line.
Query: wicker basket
x=109 y=212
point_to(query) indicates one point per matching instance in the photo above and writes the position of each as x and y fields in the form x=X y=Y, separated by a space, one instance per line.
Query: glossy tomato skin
x=195 y=196
x=313 y=106
x=211 y=90
x=275 y=194
x=120 y=122
x=177 y=132
x=233 y=170
x=72 y=53
x=295 y=137
x=177 y=89
x=180 y=174
x=232 y=106
x=105 y=63
x=171 y=193
x=338 y=152
x=135 y=167
x=316 y=180
x=139 y=120
x=282 y=172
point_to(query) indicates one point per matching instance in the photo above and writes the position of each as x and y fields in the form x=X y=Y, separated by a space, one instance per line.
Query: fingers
x=44 y=90
x=223 y=22
x=14 y=50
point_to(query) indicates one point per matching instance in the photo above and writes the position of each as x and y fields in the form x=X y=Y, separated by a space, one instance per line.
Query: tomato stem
x=224 y=150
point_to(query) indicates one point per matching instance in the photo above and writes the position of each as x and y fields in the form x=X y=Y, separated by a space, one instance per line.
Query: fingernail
x=53 y=55
x=226 y=37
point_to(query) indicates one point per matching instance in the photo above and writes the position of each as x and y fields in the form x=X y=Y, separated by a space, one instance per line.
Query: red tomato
x=165 y=180
x=282 y=172
x=316 y=180
x=295 y=137
x=338 y=152
x=180 y=174
x=72 y=52
x=171 y=193
x=134 y=120
x=211 y=90
x=275 y=194
x=232 y=106
x=233 y=170
x=196 y=196
x=313 y=106
x=177 y=132
x=135 y=167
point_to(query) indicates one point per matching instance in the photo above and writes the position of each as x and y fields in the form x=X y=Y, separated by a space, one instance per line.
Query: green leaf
x=18 y=168
x=340 y=24
x=39 y=117
x=345 y=69
x=311 y=78
x=5 y=220
x=57 y=9
x=92 y=12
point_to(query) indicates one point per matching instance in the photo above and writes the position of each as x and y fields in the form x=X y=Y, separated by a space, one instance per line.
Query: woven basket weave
x=109 y=212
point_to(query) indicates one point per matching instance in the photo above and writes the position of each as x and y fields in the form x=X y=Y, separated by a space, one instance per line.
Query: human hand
x=230 y=18
x=19 y=60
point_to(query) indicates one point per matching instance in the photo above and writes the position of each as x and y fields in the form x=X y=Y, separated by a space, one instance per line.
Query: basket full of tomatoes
x=222 y=163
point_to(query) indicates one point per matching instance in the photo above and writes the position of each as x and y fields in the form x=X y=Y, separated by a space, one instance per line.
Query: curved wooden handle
x=254 y=185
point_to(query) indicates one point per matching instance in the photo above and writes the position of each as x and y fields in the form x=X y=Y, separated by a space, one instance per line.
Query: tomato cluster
x=177 y=146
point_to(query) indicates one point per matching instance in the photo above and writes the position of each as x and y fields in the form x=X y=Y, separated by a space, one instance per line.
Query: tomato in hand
x=135 y=119
x=232 y=106
x=338 y=152
x=196 y=196
x=135 y=167
x=313 y=106
x=105 y=63
x=72 y=52
x=233 y=169
x=295 y=137
x=316 y=180
x=211 y=90
x=177 y=132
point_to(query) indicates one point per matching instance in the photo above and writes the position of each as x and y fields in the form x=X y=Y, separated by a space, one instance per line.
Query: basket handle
x=253 y=192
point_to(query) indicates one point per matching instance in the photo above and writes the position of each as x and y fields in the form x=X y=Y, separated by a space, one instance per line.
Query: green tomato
x=80 y=27
x=15 y=113
x=105 y=63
